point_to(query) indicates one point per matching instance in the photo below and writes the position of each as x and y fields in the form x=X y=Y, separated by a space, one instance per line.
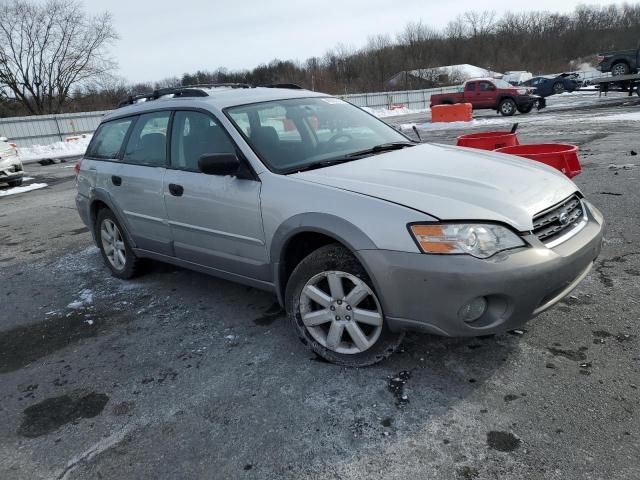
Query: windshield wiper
x=383 y=147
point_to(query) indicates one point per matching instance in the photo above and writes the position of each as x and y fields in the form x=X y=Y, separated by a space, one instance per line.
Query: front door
x=215 y=220
x=486 y=94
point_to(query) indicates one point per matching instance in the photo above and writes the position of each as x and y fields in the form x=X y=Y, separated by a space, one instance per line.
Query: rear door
x=215 y=220
x=486 y=94
x=135 y=182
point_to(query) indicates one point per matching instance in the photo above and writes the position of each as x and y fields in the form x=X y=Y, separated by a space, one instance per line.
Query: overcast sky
x=161 y=38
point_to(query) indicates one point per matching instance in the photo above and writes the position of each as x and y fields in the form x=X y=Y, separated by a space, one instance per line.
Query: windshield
x=502 y=84
x=292 y=134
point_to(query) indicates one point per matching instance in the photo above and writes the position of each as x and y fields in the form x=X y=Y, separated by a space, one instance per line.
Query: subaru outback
x=361 y=233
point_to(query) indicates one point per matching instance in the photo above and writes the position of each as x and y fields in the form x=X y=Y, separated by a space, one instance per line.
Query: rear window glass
x=107 y=141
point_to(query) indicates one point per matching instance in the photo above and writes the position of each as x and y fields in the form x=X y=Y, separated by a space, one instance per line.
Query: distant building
x=438 y=76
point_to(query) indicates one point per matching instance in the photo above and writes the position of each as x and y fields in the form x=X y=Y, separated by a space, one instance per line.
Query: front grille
x=558 y=220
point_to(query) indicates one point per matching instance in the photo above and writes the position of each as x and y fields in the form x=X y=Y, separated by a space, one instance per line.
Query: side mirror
x=219 y=164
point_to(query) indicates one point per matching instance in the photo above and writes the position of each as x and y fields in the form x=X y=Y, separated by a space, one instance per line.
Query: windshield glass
x=502 y=84
x=293 y=134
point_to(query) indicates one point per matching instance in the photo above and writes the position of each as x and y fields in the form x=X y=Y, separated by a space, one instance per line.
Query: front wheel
x=507 y=107
x=335 y=310
x=620 y=69
x=525 y=108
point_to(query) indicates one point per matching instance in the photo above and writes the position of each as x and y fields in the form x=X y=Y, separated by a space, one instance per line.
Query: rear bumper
x=426 y=292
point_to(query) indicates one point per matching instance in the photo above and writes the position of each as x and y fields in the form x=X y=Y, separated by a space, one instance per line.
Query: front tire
x=525 y=109
x=114 y=246
x=507 y=107
x=620 y=69
x=333 y=307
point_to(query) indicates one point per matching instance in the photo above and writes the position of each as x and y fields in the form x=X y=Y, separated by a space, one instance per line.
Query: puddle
x=52 y=413
x=503 y=441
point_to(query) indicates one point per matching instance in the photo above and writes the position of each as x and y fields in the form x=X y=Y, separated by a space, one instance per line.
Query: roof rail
x=291 y=86
x=181 y=91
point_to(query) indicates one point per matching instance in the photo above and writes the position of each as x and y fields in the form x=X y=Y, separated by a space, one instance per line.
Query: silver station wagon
x=360 y=232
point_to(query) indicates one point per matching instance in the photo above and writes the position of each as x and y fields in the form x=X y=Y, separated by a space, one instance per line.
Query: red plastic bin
x=557 y=155
x=488 y=140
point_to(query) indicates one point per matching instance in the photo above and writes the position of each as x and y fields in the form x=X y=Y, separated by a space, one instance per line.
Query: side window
x=195 y=134
x=147 y=144
x=107 y=141
x=471 y=87
x=485 y=86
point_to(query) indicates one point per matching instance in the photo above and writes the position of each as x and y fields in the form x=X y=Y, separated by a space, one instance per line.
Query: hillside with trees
x=540 y=42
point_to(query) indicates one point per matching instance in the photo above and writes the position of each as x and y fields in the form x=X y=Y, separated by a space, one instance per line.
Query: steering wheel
x=337 y=136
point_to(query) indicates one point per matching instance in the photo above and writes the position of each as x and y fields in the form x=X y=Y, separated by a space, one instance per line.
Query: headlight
x=480 y=240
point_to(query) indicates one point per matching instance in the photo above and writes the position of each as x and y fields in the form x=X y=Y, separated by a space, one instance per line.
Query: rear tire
x=507 y=107
x=114 y=246
x=334 y=310
x=15 y=183
x=446 y=102
x=558 y=88
x=620 y=69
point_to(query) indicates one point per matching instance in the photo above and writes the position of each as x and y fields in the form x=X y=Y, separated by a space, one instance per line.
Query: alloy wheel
x=341 y=312
x=113 y=244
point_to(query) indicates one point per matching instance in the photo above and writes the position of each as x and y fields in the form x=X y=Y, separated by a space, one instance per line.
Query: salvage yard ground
x=180 y=375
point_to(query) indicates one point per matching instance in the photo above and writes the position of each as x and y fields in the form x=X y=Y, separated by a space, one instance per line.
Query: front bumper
x=426 y=292
x=6 y=176
x=530 y=100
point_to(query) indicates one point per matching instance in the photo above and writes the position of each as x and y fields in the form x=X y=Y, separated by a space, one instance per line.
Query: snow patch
x=22 y=189
x=454 y=125
x=54 y=150
x=620 y=117
x=84 y=300
x=385 y=112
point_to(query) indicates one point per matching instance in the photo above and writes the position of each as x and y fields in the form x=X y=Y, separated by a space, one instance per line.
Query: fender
x=330 y=225
x=99 y=194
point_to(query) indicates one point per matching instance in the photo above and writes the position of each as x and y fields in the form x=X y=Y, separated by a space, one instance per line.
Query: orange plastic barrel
x=557 y=155
x=488 y=140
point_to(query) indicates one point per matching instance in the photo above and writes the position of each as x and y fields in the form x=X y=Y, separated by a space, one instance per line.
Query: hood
x=453 y=183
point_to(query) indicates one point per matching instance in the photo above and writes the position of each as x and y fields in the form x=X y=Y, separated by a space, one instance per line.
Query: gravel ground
x=180 y=375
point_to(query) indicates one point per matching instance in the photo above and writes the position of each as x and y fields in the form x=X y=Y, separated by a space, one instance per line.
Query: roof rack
x=182 y=91
x=291 y=86
x=197 y=90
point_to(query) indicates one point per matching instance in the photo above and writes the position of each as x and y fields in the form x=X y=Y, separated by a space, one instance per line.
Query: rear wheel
x=447 y=101
x=620 y=69
x=507 y=107
x=334 y=309
x=116 y=250
x=558 y=88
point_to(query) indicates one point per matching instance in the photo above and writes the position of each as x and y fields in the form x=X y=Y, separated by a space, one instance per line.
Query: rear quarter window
x=108 y=139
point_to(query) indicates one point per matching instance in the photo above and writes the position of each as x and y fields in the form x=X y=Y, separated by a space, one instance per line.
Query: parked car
x=493 y=94
x=361 y=233
x=619 y=62
x=553 y=84
x=11 y=171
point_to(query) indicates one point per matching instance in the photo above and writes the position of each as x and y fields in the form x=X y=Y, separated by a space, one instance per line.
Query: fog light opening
x=473 y=310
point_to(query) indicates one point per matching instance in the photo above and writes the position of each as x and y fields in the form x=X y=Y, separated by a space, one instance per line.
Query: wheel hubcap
x=507 y=108
x=341 y=312
x=113 y=244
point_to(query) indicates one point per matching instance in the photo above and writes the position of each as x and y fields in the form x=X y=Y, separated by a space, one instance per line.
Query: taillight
x=13 y=145
x=76 y=168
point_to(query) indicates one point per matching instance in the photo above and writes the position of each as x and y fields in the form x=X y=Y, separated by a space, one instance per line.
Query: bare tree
x=46 y=49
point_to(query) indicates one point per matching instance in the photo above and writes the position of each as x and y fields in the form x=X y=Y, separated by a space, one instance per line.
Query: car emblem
x=563 y=218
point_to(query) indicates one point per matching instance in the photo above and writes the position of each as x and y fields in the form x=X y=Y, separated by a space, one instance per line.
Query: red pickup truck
x=491 y=93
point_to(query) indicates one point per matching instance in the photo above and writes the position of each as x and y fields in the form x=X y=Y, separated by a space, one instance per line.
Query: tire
x=446 y=101
x=507 y=107
x=620 y=68
x=525 y=109
x=124 y=265
x=558 y=88
x=320 y=313
x=15 y=183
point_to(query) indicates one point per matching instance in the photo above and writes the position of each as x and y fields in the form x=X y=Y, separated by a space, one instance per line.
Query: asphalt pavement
x=179 y=375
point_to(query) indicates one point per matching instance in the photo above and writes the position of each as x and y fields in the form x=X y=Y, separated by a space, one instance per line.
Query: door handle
x=116 y=180
x=176 y=190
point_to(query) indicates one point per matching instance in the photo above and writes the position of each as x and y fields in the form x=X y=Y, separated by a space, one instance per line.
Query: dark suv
x=619 y=62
